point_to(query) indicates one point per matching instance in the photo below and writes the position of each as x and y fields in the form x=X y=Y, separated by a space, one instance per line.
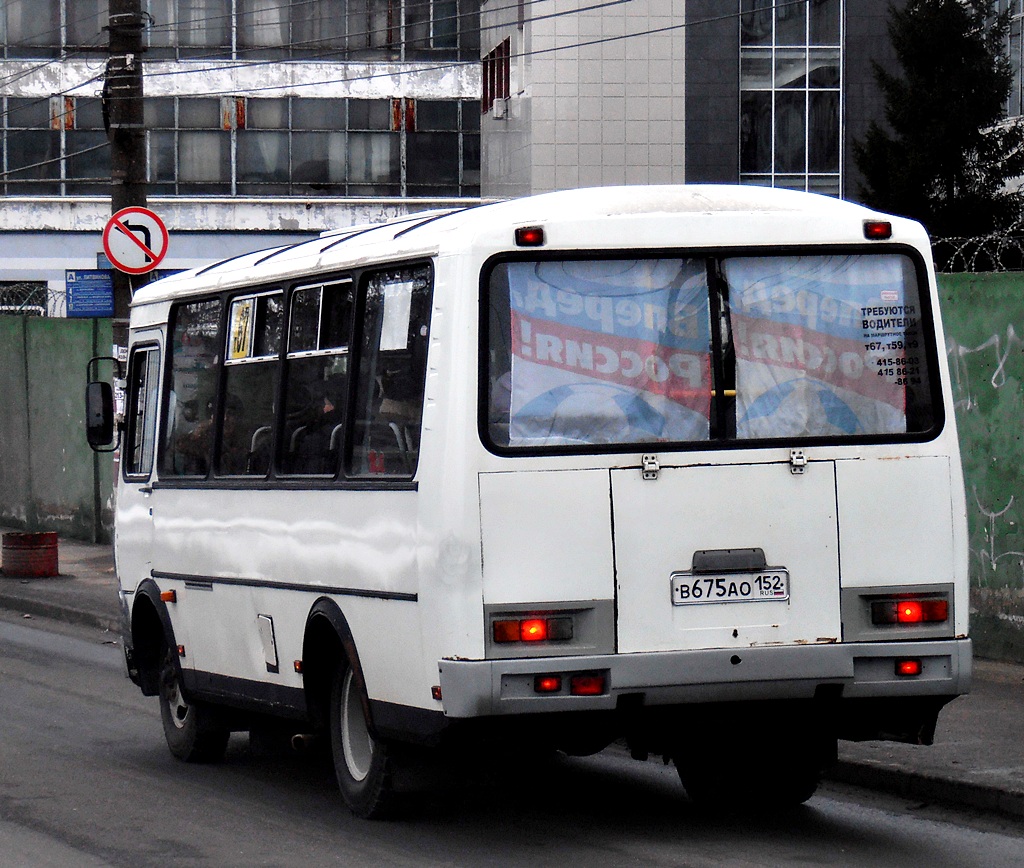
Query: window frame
x=150 y=415
x=808 y=177
x=723 y=438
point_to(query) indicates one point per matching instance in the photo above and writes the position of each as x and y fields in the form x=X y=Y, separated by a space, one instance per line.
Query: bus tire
x=362 y=763
x=762 y=783
x=191 y=728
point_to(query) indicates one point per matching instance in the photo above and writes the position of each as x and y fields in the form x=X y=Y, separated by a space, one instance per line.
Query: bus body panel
x=233 y=555
x=661 y=523
x=897 y=521
x=546 y=536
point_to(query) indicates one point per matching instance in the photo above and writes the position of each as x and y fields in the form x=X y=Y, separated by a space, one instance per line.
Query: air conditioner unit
x=499 y=109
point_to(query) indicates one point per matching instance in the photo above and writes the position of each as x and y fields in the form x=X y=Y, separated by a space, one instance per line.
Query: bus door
x=726 y=556
x=135 y=496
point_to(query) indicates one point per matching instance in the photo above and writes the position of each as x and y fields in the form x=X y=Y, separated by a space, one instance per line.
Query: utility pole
x=122 y=99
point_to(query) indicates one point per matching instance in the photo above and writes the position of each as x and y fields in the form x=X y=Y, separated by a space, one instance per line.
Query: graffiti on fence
x=987 y=398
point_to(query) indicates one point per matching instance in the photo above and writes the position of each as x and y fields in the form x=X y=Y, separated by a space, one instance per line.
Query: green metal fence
x=49 y=478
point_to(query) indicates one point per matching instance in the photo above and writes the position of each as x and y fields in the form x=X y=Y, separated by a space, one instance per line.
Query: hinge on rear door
x=650 y=466
x=797 y=461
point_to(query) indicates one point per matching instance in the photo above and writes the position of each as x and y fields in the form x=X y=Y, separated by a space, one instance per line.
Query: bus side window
x=140 y=409
x=316 y=379
x=391 y=373
x=195 y=356
x=255 y=325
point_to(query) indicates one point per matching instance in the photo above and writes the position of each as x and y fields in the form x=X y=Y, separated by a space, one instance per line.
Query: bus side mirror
x=99 y=415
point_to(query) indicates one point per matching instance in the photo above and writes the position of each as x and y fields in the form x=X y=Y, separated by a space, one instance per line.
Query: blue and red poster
x=825 y=345
x=609 y=351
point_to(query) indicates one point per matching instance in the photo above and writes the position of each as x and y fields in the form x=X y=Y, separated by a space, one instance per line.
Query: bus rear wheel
x=737 y=771
x=771 y=785
x=192 y=729
x=362 y=763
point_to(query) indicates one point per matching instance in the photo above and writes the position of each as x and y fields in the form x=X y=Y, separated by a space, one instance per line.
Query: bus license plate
x=759 y=586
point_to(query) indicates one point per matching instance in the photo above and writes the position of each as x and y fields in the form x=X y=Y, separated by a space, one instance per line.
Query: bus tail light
x=910 y=611
x=547 y=684
x=909 y=667
x=591 y=684
x=532 y=630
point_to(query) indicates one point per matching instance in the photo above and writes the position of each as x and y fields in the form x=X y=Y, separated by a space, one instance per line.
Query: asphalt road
x=86 y=780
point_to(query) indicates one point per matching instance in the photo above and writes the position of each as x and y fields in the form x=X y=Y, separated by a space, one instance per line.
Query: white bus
x=673 y=466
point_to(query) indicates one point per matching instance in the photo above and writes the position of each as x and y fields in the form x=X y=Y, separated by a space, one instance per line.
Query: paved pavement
x=977 y=759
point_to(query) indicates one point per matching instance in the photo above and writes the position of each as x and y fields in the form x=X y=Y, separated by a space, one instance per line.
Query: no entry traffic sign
x=135 y=240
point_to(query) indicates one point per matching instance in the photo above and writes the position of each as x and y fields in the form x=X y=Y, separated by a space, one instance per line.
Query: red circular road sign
x=135 y=240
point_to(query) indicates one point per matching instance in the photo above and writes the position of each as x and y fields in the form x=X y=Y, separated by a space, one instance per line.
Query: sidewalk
x=977 y=759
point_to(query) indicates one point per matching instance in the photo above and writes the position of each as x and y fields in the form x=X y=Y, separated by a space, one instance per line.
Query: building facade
x=276 y=118
x=670 y=91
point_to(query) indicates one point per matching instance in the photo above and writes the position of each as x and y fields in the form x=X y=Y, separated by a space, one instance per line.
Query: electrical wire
x=419 y=68
x=51 y=161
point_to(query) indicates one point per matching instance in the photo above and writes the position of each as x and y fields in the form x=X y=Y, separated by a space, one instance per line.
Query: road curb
x=57 y=612
x=916 y=785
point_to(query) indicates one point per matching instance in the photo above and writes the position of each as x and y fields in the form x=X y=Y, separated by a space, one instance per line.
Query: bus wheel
x=191 y=728
x=772 y=783
x=362 y=763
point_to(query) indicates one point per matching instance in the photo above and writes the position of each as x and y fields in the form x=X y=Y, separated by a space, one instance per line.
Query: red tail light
x=547 y=684
x=586 y=685
x=909 y=611
x=533 y=630
x=908 y=667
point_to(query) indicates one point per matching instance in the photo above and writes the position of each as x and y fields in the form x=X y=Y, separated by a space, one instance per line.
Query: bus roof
x=424 y=233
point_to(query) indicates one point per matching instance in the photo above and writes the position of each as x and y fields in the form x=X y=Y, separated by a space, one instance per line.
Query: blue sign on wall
x=90 y=292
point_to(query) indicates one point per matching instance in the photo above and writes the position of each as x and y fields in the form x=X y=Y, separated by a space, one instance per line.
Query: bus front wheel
x=192 y=730
x=362 y=763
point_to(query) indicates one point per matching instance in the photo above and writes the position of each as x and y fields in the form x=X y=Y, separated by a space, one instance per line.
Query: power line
x=419 y=68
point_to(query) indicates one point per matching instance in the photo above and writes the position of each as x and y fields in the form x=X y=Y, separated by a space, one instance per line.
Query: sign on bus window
x=825 y=345
x=607 y=351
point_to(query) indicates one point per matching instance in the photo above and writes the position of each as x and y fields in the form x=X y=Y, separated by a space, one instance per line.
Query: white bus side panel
x=361 y=541
x=659 y=524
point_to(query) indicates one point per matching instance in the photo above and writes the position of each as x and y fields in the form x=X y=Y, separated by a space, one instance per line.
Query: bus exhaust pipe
x=303 y=742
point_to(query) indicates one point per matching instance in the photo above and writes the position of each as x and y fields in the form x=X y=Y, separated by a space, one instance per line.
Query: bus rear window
x=608 y=353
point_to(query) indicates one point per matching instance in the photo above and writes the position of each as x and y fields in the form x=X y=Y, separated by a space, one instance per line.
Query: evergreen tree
x=949 y=153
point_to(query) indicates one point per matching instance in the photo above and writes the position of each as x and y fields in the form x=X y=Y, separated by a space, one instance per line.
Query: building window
x=32 y=164
x=330 y=30
x=791 y=94
x=30 y=29
x=207 y=146
x=496 y=76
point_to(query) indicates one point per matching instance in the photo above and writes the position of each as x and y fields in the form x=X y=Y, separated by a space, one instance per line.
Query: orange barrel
x=31 y=555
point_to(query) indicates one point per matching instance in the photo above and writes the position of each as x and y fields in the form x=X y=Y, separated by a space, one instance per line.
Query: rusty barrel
x=31 y=555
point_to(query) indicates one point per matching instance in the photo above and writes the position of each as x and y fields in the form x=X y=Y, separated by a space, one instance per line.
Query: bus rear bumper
x=870 y=670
